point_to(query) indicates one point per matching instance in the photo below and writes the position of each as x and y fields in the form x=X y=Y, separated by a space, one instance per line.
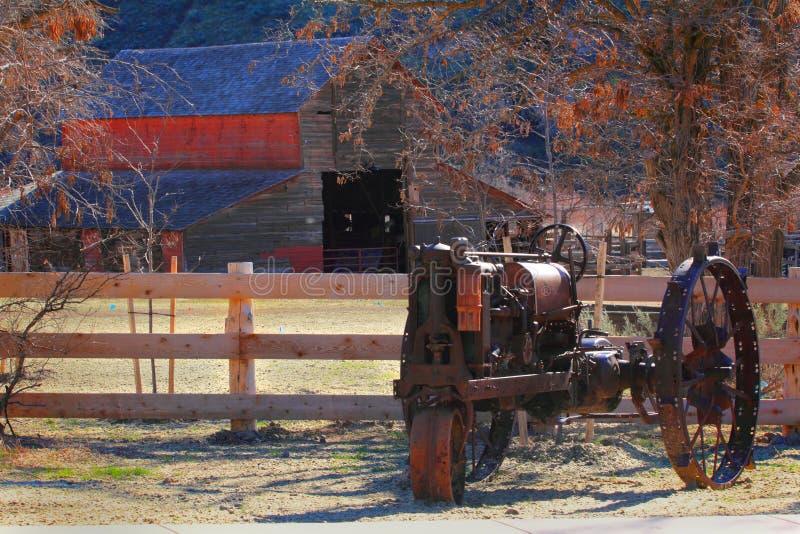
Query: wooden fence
x=241 y=346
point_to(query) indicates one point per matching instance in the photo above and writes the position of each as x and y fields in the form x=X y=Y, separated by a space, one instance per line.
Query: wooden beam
x=242 y=371
x=173 y=268
x=643 y=289
x=204 y=406
x=599 y=295
x=137 y=370
x=777 y=351
x=280 y=407
x=791 y=379
x=215 y=285
x=777 y=290
x=160 y=346
x=771 y=411
x=323 y=346
x=621 y=288
x=385 y=347
x=640 y=289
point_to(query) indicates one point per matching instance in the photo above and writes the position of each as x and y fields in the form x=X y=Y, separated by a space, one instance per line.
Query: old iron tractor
x=491 y=333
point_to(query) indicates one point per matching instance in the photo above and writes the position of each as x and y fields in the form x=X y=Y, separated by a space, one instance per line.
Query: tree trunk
x=769 y=255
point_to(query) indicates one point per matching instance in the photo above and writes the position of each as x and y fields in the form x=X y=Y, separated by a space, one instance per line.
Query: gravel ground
x=107 y=472
x=112 y=472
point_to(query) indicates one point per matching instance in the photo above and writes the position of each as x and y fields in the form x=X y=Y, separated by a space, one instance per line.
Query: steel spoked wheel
x=707 y=373
x=437 y=454
x=562 y=244
x=487 y=447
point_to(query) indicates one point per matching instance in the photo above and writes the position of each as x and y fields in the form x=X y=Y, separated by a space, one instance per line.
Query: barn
x=220 y=155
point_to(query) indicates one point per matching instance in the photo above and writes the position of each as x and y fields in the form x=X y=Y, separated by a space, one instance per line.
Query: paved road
x=751 y=524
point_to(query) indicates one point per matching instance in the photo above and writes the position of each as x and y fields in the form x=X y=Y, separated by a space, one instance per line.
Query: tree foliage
x=707 y=93
x=694 y=102
x=46 y=74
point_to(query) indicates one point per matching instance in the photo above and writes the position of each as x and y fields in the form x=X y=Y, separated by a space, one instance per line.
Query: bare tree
x=23 y=319
x=47 y=75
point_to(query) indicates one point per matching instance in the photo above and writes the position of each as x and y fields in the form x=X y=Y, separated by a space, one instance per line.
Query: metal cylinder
x=548 y=285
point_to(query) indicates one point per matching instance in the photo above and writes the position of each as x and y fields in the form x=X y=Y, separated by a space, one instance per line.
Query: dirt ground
x=111 y=472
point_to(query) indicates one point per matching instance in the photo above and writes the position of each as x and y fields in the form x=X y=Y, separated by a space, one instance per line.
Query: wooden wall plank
x=286 y=216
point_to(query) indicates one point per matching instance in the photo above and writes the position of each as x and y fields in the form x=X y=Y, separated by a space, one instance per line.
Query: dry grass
x=211 y=376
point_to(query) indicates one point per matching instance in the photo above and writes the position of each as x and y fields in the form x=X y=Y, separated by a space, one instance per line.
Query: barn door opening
x=363 y=226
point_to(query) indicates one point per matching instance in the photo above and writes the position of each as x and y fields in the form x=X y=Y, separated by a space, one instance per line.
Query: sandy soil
x=105 y=472
x=110 y=472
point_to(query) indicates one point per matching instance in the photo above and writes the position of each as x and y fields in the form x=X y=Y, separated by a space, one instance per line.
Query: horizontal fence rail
x=246 y=346
x=618 y=288
x=280 y=346
x=205 y=406
x=280 y=407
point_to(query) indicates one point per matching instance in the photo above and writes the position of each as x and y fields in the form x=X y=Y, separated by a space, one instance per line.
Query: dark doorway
x=363 y=226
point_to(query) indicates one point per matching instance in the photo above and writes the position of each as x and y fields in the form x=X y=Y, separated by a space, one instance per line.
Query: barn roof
x=184 y=198
x=221 y=80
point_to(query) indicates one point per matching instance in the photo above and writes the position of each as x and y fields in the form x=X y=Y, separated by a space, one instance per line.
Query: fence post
x=791 y=381
x=173 y=268
x=599 y=291
x=137 y=371
x=242 y=370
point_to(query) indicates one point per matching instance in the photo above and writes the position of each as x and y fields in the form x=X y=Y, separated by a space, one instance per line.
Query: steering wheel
x=561 y=243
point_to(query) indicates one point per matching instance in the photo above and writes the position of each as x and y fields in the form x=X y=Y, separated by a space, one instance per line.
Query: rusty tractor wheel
x=437 y=454
x=707 y=388
x=486 y=447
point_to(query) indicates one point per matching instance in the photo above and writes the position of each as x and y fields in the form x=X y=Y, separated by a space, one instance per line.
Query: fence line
x=278 y=346
x=272 y=406
x=618 y=288
x=241 y=347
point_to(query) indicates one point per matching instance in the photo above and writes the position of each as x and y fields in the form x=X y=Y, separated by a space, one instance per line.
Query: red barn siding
x=301 y=259
x=92 y=255
x=172 y=245
x=219 y=141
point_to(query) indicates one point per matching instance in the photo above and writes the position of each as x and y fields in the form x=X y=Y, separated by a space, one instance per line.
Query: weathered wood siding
x=208 y=142
x=317 y=134
x=439 y=194
x=382 y=140
x=432 y=194
x=276 y=229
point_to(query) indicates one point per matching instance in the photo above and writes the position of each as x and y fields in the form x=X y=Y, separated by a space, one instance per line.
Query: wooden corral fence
x=241 y=346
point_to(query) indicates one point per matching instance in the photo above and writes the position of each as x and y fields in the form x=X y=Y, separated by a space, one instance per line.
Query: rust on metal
x=492 y=334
